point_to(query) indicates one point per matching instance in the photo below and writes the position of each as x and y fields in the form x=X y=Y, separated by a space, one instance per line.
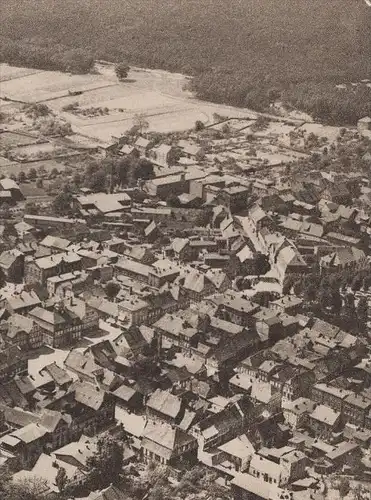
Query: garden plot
x=12 y=139
x=158 y=95
x=45 y=85
x=8 y=73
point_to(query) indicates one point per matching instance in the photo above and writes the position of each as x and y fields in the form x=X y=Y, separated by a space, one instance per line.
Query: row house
x=177 y=330
x=221 y=427
x=162 y=272
x=83 y=410
x=324 y=421
x=20 y=303
x=133 y=269
x=59 y=326
x=12 y=362
x=356 y=409
x=39 y=270
x=165 y=406
x=238 y=310
x=12 y=265
x=24 y=332
x=88 y=316
x=168 y=445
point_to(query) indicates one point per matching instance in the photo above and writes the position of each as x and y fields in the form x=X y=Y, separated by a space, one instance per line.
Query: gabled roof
x=88 y=394
x=165 y=403
x=165 y=435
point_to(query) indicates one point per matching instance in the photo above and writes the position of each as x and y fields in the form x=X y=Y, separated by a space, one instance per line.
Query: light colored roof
x=256 y=486
x=51 y=317
x=164 y=402
x=55 y=242
x=165 y=435
x=133 y=266
x=325 y=414
x=239 y=447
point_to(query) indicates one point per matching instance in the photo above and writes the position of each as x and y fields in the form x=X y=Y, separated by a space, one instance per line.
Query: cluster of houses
x=183 y=335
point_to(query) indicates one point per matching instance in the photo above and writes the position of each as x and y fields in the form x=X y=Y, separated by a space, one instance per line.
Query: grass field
x=159 y=95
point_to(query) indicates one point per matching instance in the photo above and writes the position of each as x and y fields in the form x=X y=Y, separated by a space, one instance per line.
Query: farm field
x=159 y=95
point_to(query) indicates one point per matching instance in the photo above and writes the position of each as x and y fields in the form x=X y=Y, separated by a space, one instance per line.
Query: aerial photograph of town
x=185 y=250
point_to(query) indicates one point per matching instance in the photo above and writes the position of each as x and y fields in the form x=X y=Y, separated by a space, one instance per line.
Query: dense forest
x=242 y=52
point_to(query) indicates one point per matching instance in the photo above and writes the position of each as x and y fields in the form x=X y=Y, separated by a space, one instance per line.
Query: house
x=167 y=445
x=233 y=197
x=356 y=408
x=163 y=155
x=237 y=451
x=142 y=145
x=55 y=244
x=347 y=258
x=21 y=303
x=12 y=265
x=237 y=309
x=288 y=304
x=248 y=487
x=364 y=126
x=128 y=150
x=135 y=309
x=133 y=269
x=12 y=362
x=227 y=424
x=10 y=186
x=162 y=271
x=152 y=232
x=127 y=396
x=22 y=331
x=45 y=222
x=59 y=326
x=175 y=184
x=177 y=329
x=102 y=203
x=110 y=493
x=324 y=421
x=279 y=466
x=296 y=412
x=165 y=406
x=39 y=270
x=197 y=284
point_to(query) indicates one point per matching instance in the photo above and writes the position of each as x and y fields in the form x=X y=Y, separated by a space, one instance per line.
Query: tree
x=140 y=122
x=261 y=263
x=53 y=173
x=343 y=487
x=62 y=203
x=61 y=479
x=21 y=177
x=32 y=174
x=41 y=171
x=143 y=169
x=173 y=201
x=31 y=208
x=204 y=217
x=199 y=126
x=98 y=181
x=122 y=70
x=106 y=463
x=112 y=289
x=33 y=488
x=362 y=313
x=5 y=211
x=37 y=110
x=77 y=179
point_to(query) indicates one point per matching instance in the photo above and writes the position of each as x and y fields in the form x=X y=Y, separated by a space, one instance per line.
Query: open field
x=158 y=95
